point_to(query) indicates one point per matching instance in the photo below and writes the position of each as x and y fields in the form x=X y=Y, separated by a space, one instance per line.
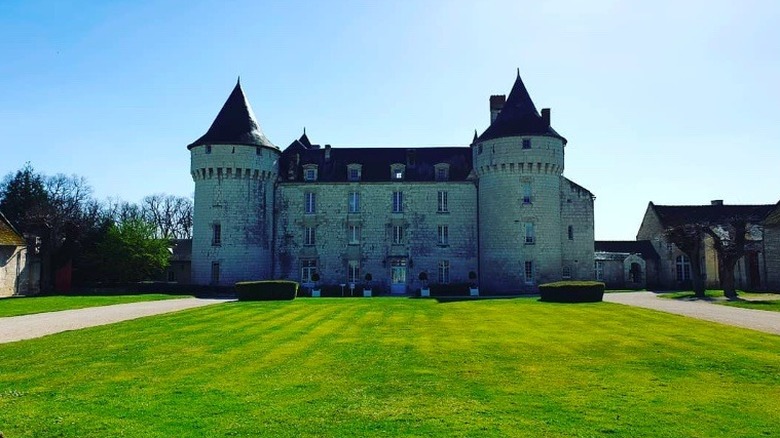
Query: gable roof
x=519 y=117
x=8 y=234
x=673 y=215
x=773 y=217
x=375 y=162
x=235 y=124
x=644 y=247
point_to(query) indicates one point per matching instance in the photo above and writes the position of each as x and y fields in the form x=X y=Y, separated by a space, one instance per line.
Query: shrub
x=423 y=276
x=315 y=277
x=572 y=292
x=266 y=290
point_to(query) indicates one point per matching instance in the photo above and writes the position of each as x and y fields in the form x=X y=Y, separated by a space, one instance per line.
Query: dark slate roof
x=672 y=215
x=773 y=218
x=518 y=117
x=375 y=162
x=235 y=124
x=644 y=247
x=8 y=234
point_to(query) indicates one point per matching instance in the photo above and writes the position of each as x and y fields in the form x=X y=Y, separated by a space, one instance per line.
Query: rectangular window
x=353 y=174
x=398 y=202
x=310 y=174
x=444 y=271
x=566 y=273
x=353 y=271
x=215 y=273
x=526 y=143
x=571 y=232
x=526 y=193
x=444 y=235
x=216 y=239
x=308 y=236
x=599 y=270
x=398 y=235
x=442 y=174
x=310 y=203
x=442 y=208
x=530 y=235
x=208 y=148
x=354 y=234
x=354 y=202
x=308 y=268
x=529 y=272
x=171 y=275
x=258 y=151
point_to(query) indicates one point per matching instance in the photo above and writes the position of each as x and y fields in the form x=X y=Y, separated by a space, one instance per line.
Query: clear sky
x=675 y=102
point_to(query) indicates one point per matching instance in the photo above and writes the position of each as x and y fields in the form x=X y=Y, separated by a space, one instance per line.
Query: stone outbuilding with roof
x=626 y=264
x=498 y=209
x=13 y=260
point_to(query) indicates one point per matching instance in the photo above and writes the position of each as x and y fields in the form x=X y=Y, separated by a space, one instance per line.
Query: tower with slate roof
x=535 y=226
x=234 y=167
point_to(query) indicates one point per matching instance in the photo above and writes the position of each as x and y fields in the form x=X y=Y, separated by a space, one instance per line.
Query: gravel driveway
x=17 y=328
x=761 y=320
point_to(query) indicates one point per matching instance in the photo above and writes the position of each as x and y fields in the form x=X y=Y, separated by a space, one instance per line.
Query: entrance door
x=398 y=276
x=753 y=272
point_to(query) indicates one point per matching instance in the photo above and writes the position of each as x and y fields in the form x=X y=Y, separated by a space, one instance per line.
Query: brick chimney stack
x=716 y=202
x=496 y=104
x=546 y=116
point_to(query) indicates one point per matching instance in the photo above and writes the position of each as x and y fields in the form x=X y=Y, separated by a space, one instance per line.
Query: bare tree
x=689 y=239
x=731 y=243
x=171 y=215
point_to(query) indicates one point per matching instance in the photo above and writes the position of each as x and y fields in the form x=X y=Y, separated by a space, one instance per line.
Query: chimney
x=327 y=152
x=716 y=202
x=546 y=117
x=496 y=104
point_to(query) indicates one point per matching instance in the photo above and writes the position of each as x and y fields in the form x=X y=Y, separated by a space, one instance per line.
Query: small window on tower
x=258 y=151
x=208 y=148
x=526 y=143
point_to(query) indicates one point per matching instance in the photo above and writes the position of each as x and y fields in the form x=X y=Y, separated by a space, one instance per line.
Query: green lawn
x=384 y=367
x=27 y=305
x=759 y=301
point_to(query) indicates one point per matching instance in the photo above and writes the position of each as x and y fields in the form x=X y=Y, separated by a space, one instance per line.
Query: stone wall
x=771 y=258
x=576 y=206
x=13 y=270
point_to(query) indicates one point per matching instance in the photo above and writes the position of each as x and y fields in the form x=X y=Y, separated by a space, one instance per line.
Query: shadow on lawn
x=455 y=299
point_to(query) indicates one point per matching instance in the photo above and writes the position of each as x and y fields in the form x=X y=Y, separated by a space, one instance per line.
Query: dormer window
x=442 y=172
x=354 y=172
x=310 y=172
x=526 y=143
x=397 y=172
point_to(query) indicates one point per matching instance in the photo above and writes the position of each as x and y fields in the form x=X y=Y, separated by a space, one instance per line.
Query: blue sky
x=670 y=102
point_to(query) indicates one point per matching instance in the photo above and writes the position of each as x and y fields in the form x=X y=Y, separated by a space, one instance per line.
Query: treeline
x=109 y=241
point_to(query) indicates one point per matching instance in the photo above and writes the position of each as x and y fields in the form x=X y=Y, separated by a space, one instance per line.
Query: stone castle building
x=499 y=208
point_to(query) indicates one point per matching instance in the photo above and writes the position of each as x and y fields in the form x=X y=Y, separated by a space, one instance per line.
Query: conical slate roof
x=518 y=117
x=235 y=124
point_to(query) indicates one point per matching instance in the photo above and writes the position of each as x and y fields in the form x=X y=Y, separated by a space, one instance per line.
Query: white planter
x=315 y=292
x=366 y=292
x=425 y=292
x=474 y=291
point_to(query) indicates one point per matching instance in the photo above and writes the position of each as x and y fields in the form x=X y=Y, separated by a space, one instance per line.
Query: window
x=354 y=202
x=530 y=236
x=308 y=236
x=479 y=149
x=397 y=172
x=444 y=237
x=310 y=203
x=216 y=239
x=683 y=268
x=353 y=271
x=526 y=143
x=566 y=273
x=529 y=272
x=398 y=235
x=208 y=148
x=599 y=268
x=310 y=174
x=444 y=271
x=442 y=208
x=571 y=232
x=526 y=193
x=258 y=151
x=353 y=234
x=308 y=268
x=171 y=275
x=398 y=202
x=215 y=273
x=442 y=172
x=353 y=172
x=635 y=273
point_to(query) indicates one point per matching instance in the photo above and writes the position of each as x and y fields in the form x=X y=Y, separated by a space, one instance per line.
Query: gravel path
x=760 y=320
x=17 y=328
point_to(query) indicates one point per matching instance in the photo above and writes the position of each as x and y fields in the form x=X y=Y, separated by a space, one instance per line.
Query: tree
x=23 y=198
x=171 y=215
x=130 y=252
x=729 y=239
x=689 y=239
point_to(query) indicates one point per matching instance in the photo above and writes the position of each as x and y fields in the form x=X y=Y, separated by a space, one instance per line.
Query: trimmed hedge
x=572 y=292
x=266 y=290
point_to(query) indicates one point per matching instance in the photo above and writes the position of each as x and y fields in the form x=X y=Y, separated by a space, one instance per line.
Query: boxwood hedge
x=266 y=290
x=572 y=291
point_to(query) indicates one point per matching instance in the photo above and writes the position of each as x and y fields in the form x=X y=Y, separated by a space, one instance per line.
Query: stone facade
x=499 y=208
x=14 y=270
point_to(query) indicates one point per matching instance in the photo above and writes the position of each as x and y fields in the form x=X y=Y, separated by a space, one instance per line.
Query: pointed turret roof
x=519 y=117
x=235 y=124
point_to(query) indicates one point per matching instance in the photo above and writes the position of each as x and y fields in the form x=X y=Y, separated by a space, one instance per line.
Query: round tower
x=234 y=167
x=519 y=164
